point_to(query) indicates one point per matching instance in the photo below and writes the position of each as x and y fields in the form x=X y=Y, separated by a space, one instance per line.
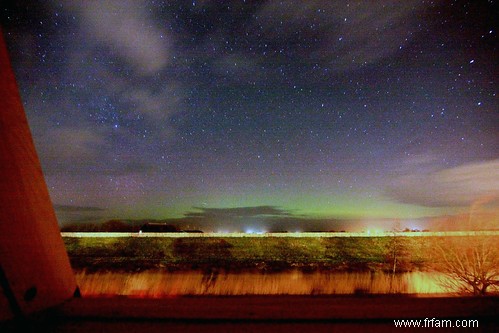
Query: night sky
x=260 y=112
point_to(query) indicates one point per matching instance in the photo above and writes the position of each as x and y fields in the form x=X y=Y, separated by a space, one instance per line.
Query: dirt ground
x=260 y=314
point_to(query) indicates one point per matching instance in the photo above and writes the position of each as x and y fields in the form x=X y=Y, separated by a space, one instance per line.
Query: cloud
x=152 y=98
x=71 y=144
x=102 y=90
x=156 y=104
x=239 y=212
x=69 y=208
x=126 y=27
x=257 y=219
x=349 y=34
x=259 y=42
x=238 y=65
x=129 y=31
x=67 y=214
x=458 y=186
x=66 y=148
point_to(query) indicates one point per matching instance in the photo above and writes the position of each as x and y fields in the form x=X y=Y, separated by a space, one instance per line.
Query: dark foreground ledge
x=256 y=313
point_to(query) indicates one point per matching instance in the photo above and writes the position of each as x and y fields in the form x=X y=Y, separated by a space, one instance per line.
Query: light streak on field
x=290 y=235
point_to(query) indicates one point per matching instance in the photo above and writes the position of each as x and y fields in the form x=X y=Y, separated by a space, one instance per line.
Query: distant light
x=254 y=231
x=374 y=231
x=472 y=61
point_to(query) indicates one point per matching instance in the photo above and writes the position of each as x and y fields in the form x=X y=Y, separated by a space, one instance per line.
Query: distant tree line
x=124 y=226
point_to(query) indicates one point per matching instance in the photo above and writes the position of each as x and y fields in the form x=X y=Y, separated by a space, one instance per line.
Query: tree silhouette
x=471 y=264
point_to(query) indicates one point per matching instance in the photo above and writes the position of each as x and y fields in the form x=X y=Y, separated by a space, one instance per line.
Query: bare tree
x=396 y=252
x=470 y=263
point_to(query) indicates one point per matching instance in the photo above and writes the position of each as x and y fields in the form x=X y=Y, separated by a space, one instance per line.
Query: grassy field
x=169 y=266
x=249 y=253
